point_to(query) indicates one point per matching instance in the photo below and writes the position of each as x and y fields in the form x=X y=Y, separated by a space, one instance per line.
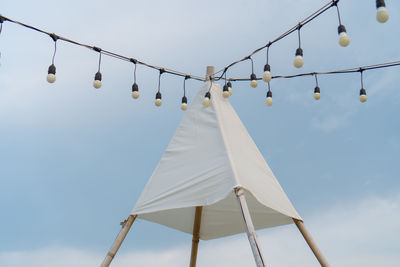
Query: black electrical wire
x=305 y=21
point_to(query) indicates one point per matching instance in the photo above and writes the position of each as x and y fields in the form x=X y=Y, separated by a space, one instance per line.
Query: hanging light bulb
x=253 y=79
x=225 y=91
x=207 y=100
x=317 y=93
x=97 y=76
x=184 y=103
x=135 y=91
x=158 y=101
x=363 y=95
x=269 y=101
x=51 y=73
x=51 y=76
x=298 y=60
x=97 y=80
x=344 y=39
x=229 y=84
x=267 y=73
x=135 y=87
x=381 y=13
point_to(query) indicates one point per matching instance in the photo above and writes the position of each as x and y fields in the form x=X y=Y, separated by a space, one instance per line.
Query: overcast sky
x=74 y=160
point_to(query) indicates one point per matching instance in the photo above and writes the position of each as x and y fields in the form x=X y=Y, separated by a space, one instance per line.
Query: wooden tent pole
x=126 y=225
x=311 y=243
x=251 y=233
x=196 y=236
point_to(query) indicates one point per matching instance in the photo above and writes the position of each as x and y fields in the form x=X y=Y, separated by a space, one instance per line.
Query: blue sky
x=73 y=159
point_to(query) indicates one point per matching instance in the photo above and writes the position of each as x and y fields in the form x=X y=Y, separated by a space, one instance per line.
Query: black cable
x=316 y=79
x=362 y=82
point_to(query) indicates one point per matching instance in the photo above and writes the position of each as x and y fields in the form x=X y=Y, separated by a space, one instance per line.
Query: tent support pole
x=126 y=225
x=196 y=236
x=311 y=243
x=251 y=233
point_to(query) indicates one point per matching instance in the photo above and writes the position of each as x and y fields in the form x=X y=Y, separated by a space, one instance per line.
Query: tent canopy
x=210 y=154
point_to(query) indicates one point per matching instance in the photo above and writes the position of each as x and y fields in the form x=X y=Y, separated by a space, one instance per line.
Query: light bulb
x=267 y=73
x=158 y=101
x=363 y=95
x=51 y=76
x=229 y=84
x=207 y=100
x=381 y=13
x=184 y=103
x=225 y=91
x=344 y=39
x=97 y=80
x=298 y=60
x=317 y=93
x=253 y=79
x=135 y=91
x=269 y=101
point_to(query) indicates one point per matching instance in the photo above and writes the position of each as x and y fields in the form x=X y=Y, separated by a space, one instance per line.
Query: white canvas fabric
x=210 y=154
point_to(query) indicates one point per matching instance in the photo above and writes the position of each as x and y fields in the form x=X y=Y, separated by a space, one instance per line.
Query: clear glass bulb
x=382 y=15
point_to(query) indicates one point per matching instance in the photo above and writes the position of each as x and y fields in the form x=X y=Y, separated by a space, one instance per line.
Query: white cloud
x=350 y=234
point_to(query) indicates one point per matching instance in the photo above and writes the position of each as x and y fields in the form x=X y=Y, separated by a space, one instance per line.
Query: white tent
x=210 y=164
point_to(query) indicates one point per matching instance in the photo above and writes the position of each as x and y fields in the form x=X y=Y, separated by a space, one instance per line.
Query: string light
x=51 y=73
x=344 y=39
x=207 y=97
x=225 y=90
x=267 y=68
x=253 y=77
x=317 y=91
x=135 y=87
x=298 y=60
x=381 y=13
x=184 y=98
x=269 y=101
x=158 y=101
x=363 y=92
x=97 y=76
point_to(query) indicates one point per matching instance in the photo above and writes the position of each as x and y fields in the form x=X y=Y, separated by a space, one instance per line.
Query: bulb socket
x=380 y=3
x=299 y=52
x=98 y=76
x=363 y=92
x=267 y=67
x=229 y=84
x=184 y=100
x=317 y=90
x=253 y=77
x=158 y=95
x=341 y=29
x=135 y=87
x=208 y=95
x=269 y=94
x=52 y=69
x=225 y=88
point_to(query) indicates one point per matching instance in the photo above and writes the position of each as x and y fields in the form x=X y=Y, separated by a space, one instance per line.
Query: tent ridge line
x=223 y=139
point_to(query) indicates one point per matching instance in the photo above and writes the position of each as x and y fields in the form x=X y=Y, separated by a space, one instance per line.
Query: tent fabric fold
x=210 y=154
